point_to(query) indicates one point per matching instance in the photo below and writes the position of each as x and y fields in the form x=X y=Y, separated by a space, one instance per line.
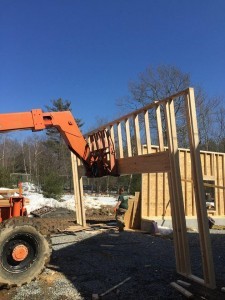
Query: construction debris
x=183 y=291
x=183 y=283
x=93 y=227
x=72 y=229
x=115 y=287
x=42 y=211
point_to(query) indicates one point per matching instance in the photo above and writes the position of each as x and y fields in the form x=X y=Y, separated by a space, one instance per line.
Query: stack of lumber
x=132 y=216
x=6 y=194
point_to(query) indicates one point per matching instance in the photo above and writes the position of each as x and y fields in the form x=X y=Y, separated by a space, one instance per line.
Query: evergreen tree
x=52 y=186
x=59 y=105
x=55 y=145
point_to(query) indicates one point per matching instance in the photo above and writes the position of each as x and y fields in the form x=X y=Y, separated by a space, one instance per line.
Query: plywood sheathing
x=155 y=185
x=132 y=216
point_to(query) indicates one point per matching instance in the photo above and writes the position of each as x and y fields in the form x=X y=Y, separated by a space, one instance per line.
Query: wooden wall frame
x=78 y=191
x=135 y=129
x=155 y=187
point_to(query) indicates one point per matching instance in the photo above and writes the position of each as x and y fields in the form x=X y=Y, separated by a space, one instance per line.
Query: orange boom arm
x=64 y=121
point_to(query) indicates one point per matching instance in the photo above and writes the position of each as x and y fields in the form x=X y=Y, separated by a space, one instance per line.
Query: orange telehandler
x=24 y=250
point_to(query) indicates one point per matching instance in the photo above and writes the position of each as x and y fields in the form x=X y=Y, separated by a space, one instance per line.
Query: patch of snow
x=7 y=196
x=164 y=230
x=210 y=204
x=98 y=201
x=37 y=201
x=29 y=187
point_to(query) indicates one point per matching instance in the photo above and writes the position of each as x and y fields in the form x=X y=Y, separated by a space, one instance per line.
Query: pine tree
x=55 y=145
x=59 y=105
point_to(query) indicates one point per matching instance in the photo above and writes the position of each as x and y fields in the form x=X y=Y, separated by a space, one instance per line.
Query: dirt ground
x=112 y=265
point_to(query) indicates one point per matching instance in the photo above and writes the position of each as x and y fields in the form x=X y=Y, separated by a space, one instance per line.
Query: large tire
x=23 y=254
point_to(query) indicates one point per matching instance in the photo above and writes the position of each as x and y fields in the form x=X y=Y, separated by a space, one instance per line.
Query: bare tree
x=206 y=112
x=154 y=84
x=157 y=83
x=220 y=129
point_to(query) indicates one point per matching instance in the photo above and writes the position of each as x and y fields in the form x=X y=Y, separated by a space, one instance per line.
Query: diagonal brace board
x=207 y=258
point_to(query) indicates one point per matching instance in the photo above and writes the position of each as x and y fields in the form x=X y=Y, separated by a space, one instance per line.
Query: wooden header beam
x=150 y=163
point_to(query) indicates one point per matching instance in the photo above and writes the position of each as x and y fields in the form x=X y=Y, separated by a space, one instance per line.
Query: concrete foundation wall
x=148 y=224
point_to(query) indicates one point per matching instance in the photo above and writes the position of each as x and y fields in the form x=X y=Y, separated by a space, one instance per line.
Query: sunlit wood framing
x=143 y=127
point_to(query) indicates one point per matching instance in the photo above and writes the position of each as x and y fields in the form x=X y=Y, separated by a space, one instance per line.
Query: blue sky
x=87 y=51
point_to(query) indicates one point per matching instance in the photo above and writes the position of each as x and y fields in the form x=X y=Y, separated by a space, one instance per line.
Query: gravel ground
x=91 y=262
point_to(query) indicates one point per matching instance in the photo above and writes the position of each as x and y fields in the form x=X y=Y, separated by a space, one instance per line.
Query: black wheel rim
x=26 y=240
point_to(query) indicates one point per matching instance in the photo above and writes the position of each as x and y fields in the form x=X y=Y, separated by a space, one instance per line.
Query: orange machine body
x=14 y=208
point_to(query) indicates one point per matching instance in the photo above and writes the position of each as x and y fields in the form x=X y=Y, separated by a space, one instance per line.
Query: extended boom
x=98 y=162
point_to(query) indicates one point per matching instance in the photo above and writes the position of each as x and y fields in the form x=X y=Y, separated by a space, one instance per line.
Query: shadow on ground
x=99 y=263
x=94 y=262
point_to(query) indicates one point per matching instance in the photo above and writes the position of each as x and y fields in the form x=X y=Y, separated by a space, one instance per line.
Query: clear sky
x=87 y=51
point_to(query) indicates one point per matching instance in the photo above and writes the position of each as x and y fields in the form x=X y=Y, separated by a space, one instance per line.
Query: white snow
x=37 y=200
x=7 y=196
x=98 y=201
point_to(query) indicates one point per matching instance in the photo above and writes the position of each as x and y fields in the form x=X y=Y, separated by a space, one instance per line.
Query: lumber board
x=119 y=132
x=185 y=184
x=223 y=171
x=197 y=279
x=114 y=287
x=218 y=192
x=137 y=134
x=136 y=221
x=147 y=131
x=214 y=186
x=75 y=228
x=132 y=217
x=112 y=134
x=159 y=126
x=78 y=192
x=156 y=194
x=128 y=214
x=183 y=283
x=9 y=191
x=127 y=128
x=182 y=290
x=145 y=195
x=92 y=143
x=176 y=196
x=205 y=244
x=149 y=163
x=81 y=191
x=5 y=202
